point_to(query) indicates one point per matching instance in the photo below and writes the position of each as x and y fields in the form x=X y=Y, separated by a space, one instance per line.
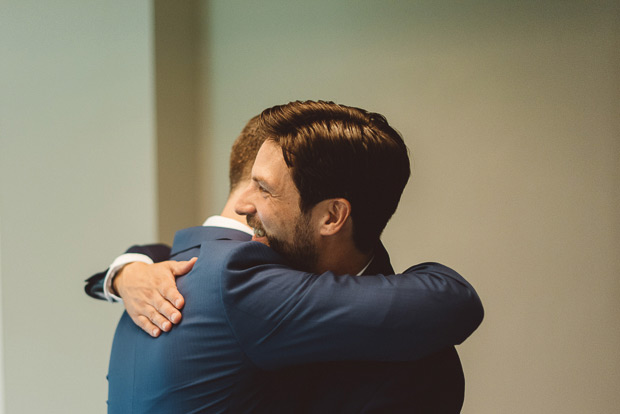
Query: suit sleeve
x=157 y=252
x=285 y=317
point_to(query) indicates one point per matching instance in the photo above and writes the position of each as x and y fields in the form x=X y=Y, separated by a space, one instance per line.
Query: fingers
x=170 y=297
x=146 y=325
x=159 y=320
x=151 y=321
x=168 y=289
x=181 y=268
x=156 y=309
x=151 y=296
x=169 y=312
x=171 y=294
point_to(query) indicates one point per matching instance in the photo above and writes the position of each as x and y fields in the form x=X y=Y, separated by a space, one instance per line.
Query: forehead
x=271 y=170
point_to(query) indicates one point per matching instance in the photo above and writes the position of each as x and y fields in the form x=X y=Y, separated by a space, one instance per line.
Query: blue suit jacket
x=257 y=336
x=433 y=384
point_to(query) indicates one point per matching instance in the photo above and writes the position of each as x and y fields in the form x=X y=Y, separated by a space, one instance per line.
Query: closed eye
x=261 y=189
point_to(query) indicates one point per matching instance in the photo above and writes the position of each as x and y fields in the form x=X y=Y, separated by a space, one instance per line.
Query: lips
x=259 y=231
x=259 y=236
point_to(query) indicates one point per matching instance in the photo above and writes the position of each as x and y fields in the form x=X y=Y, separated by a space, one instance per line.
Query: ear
x=334 y=215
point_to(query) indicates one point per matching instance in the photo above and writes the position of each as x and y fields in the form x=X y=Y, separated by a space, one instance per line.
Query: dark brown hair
x=340 y=151
x=244 y=152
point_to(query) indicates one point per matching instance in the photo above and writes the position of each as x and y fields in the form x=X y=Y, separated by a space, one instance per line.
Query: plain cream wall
x=510 y=110
x=77 y=168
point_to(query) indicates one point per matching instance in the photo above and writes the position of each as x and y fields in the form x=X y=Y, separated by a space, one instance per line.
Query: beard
x=302 y=253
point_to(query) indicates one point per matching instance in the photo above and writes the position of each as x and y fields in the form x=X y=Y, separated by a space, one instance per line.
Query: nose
x=244 y=205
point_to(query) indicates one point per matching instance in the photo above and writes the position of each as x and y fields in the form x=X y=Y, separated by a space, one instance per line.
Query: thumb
x=181 y=268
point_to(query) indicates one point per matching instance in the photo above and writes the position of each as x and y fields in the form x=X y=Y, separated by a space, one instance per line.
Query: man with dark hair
x=369 y=167
x=257 y=336
x=324 y=185
x=342 y=153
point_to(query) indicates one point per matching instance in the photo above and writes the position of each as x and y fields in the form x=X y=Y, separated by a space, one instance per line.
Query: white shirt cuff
x=115 y=267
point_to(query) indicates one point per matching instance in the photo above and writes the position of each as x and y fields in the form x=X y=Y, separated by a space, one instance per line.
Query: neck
x=342 y=258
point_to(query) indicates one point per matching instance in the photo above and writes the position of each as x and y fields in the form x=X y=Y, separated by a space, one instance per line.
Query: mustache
x=255 y=223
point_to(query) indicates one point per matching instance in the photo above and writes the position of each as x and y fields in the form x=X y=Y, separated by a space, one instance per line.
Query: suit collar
x=380 y=263
x=194 y=236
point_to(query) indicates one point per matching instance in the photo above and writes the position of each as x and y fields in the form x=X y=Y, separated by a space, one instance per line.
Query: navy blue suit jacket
x=433 y=384
x=257 y=336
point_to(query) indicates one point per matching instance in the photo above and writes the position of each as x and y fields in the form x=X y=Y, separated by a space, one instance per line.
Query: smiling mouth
x=260 y=236
x=259 y=232
x=256 y=225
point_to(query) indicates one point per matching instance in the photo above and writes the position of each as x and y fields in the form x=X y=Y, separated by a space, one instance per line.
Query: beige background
x=510 y=109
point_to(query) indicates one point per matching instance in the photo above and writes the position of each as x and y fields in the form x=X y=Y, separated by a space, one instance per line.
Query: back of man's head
x=244 y=152
x=337 y=151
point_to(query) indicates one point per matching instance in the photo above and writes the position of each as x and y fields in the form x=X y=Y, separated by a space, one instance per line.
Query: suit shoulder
x=431 y=267
x=247 y=255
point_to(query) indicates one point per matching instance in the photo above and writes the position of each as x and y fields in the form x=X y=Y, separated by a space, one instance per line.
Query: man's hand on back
x=150 y=293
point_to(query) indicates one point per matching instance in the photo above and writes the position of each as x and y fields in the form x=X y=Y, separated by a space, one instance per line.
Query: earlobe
x=336 y=212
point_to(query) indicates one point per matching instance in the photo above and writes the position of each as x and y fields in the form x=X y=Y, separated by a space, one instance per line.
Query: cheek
x=278 y=223
x=265 y=214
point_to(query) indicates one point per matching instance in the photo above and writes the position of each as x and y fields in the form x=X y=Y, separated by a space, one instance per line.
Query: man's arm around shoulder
x=283 y=317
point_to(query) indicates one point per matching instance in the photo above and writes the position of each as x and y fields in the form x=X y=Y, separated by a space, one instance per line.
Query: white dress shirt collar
x=227 y=223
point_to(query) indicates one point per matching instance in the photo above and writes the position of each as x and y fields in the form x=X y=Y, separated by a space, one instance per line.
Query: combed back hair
x=244 y=152
x=337 y=151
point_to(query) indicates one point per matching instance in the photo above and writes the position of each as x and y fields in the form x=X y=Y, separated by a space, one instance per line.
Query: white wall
x=77 y=185
x=511 y=113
